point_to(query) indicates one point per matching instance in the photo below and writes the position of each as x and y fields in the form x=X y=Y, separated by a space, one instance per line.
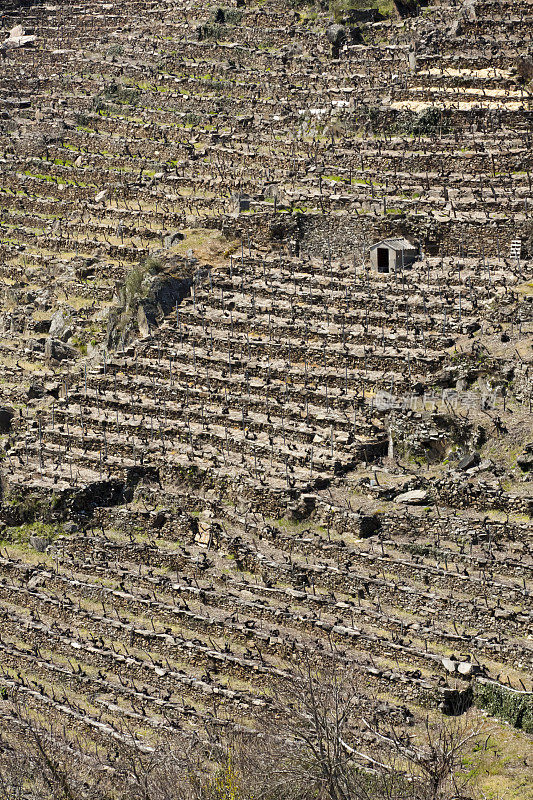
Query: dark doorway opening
x=383 y=259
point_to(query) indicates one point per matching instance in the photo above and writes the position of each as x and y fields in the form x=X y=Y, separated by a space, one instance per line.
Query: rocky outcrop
x=148 y=295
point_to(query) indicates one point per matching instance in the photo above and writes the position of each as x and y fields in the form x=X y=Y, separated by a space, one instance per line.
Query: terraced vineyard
x=231 y=441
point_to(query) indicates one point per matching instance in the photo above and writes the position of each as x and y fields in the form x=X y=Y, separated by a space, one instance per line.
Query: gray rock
x=17 y=38
x=456 y=29
x=342 y=34
x=469 y=461
x=39 y=543
x=41 y=325
x=449 y=664
x=173 y=238
x=160 y=295
x=336 y=34
x=159 y=519
x=143 y=323
x=303 y=508
x=525 y=460
x=61 y=325
x=35 y=390
x=524 y=68
x=525 y=463
x=472 y=327
x=59 y=351
x=42 y=299
x=469 y=10
x=70 y=527
x=415 y=497
x=52 y=388
x=406 y=8
x=467 y=669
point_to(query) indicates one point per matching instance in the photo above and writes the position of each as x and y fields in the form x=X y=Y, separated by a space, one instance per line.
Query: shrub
x=212 y=30
x=192 y=119
x=339 y=8
x=115 y=50
x=82 y=119
x=514 y=707
x=426 y=123
x=230 y=16
x=226 y=784
x=116 y=94
x=135 y=286
x=99 y=104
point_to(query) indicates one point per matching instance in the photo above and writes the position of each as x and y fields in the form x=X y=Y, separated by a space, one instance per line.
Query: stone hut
x=392 y=254
x=240 y=203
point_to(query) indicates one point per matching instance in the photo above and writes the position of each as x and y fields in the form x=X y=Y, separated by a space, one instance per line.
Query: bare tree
x=433 y=767
x=39 y=763
x=12 y=772
x=304 y=747
x=308 y=749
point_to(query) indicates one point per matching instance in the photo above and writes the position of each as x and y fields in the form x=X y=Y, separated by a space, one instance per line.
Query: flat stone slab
x=414 y=497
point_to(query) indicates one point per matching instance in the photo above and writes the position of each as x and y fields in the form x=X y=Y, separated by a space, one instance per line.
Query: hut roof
x=395 y=244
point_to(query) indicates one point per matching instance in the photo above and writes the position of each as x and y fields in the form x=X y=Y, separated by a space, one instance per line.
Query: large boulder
x=17 y=38
x=524 y=69
x=467 y=669
x=59 y=351
x=450 y=664
x=303 y=508
x=172 y=239
x=139 y=312
x=39 y=543
x=61 y=324
x=41 y=325
x=35 y=390
x=469 y=461
x=336 y=34
x=143 y=322
x=339 y=35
